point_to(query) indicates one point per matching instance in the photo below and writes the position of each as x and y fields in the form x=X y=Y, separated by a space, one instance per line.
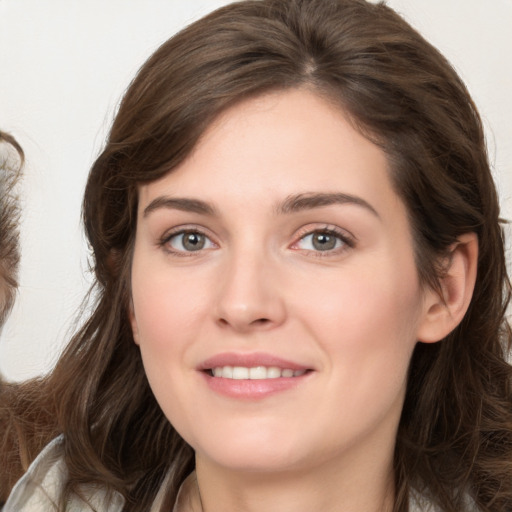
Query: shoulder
x=42 y=486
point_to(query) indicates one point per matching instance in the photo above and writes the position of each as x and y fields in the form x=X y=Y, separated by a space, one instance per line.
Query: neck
x=331 y=487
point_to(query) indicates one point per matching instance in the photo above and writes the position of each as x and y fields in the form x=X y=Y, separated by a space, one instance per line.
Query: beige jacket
x=40 y=488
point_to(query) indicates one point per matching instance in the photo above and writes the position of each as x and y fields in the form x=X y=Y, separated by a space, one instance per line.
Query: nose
x=250 y=297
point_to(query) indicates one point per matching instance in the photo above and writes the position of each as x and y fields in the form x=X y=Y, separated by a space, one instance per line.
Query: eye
x=324 y=240
x=188 y=241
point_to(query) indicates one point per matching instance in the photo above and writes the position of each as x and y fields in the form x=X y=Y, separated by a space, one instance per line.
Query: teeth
x=239 y=373
x=259 y=372
x=273 y=372
x=255 y=373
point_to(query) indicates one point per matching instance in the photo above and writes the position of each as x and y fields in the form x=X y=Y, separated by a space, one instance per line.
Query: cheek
x=167 y=313
x=366 y=316
x=166 y=307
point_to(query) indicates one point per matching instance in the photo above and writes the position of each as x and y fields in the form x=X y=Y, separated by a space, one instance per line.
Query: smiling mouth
x=253 y=373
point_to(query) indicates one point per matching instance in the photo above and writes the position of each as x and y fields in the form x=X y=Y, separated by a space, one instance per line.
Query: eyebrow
x=292 y=204
x=180 y=203
x=308 y=201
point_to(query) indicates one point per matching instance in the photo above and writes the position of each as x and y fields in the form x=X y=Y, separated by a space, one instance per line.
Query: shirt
x=40 y=488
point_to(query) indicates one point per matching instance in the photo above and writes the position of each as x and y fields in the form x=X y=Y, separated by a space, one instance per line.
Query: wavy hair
x=11 y=162
x=455 y=433
x=20 y=430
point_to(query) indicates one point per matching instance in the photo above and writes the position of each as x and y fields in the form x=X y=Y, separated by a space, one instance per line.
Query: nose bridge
x=249 y=295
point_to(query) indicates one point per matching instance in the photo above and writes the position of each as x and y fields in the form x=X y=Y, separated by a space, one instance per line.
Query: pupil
x=324 y=242
x=193 y=241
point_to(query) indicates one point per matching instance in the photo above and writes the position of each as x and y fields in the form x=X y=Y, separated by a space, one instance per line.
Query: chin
x=259 y=453
x=255 y=461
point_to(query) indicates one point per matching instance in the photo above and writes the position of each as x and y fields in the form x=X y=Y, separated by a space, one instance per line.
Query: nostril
x=260 y=321
x=244 y=324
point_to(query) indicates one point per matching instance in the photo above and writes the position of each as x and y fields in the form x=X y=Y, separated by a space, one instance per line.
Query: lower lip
x=252 y=389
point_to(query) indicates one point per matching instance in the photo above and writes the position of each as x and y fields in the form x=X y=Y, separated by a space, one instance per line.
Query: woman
x=301 y=281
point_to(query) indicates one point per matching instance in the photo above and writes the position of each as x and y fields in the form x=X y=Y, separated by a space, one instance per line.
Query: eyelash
x=348 y=241
x=164 y=242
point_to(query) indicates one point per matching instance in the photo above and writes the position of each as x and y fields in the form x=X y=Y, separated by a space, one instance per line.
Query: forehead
x=276 y=145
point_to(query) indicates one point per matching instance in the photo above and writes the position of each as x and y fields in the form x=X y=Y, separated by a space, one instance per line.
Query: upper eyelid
x=328 y=228
x=183 y=229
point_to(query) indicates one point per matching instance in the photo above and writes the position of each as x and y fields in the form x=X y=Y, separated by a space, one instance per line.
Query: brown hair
x=11 y=162
x=455 y=434
x=26 y=422
x=9 y=260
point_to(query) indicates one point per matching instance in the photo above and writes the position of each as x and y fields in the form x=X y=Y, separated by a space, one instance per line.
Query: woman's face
x=275 y=296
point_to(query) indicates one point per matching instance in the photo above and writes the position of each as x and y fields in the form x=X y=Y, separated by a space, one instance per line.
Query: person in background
x=26 y=423
x=11 y=161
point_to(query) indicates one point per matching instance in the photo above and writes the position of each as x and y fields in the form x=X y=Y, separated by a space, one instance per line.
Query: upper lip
x=250 y=361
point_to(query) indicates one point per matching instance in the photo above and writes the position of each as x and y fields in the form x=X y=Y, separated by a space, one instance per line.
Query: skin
x=351 y=314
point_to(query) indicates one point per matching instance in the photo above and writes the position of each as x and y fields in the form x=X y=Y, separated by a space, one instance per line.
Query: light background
x=64 y=65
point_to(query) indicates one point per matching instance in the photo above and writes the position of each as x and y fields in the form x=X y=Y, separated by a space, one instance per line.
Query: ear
x=443 y=313
x=133 y=323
